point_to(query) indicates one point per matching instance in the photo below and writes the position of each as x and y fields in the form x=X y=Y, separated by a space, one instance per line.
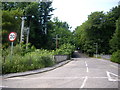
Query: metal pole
x=22 y=27
x=11 y=50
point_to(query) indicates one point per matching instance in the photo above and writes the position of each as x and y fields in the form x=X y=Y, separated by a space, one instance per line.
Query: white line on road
x=111 y=78
x=86 y=64
x=48 y=78
x=3 y=86
x=98 y=77
x=83 y=84
x=54 y=78
x=87 y=69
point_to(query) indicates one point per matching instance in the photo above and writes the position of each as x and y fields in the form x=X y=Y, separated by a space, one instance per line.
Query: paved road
x=78 y=54
x=79 y=73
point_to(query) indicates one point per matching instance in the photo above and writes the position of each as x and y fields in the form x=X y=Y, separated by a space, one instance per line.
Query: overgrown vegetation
x=116 y=57
x=101 y=31
x=30 y=59
x=65 y=49
x=42 y=35
x=43 y=30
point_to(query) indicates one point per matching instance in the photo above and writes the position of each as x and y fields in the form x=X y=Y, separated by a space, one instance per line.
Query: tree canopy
x=98 y=29
x=38 y=19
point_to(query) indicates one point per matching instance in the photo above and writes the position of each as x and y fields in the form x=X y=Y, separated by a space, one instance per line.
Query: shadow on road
x=78 y=54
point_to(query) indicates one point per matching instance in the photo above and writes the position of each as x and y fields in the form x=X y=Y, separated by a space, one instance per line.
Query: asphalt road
x=79 y=73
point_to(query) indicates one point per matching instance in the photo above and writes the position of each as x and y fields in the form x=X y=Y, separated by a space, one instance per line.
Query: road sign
x=12 y=36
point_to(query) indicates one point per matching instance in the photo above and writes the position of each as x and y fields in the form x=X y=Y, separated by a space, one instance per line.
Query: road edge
x=36 y=71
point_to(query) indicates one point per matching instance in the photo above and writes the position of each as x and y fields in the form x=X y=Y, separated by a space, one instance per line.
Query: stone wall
x=60 y=58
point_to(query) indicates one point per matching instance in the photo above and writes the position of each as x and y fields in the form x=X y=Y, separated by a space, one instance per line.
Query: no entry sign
x=12 y=36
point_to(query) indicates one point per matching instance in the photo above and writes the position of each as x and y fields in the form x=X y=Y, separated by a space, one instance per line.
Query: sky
x=75 y=12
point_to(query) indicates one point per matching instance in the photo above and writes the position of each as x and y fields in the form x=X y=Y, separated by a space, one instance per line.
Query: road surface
x=79 y=73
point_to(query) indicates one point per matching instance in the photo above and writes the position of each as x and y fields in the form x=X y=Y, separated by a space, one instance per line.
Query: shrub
x=19 y=49
x=30 y=61
x=65 y=49
x=116 y=57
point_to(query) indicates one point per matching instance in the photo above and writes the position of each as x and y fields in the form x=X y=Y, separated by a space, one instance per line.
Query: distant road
x=79 y=73
x=76 y=54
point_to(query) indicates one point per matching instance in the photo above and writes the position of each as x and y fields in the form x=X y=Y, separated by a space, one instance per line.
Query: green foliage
x=10 y=24
x=42 y=29
x=116 y=57
x=39 y=25
x=19 y=49
x=64 y=34
x=90 y=32
x=65 y=49
x=115 y=41
x=14 y=5
x=30 y=61
x=99 y=28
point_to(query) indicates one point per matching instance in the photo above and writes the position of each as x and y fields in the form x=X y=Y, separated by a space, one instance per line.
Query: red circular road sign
x=12 y=36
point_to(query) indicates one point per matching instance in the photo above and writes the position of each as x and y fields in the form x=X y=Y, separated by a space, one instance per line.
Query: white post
x=27 y=39
x=22 y=27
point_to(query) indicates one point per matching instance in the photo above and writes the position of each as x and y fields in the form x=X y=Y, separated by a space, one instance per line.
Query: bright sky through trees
x=75 y=12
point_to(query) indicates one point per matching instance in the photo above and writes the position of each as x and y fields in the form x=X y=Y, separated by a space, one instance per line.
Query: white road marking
x=84 y=82
x=86 y=64
x=3 y=86
x=48 y=78
x=98 y=77
x=18 y=78
x=87 y=69
x=55 y=78
x=111 y=78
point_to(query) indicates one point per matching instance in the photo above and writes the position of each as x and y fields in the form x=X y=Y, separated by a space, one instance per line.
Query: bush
x=65 y=49
x=19 y=49
x=30 y=61
x=116 y=57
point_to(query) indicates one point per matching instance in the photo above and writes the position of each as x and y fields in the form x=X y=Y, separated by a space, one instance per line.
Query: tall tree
x=99 y=28
x=115 y=41
x=10 y=24
x=39 y=26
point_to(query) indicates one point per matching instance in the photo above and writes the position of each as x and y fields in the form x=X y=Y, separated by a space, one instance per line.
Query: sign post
x=12 y=37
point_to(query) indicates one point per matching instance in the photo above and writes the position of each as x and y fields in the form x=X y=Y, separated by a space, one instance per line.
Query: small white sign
x=12 y=36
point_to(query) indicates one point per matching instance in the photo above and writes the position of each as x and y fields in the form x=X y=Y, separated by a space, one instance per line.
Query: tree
x=99 y=28
x=115 y=41
x=90 y=32
x=39 y=26
x=10 y=24
x=14 y=5
x=62 y=30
